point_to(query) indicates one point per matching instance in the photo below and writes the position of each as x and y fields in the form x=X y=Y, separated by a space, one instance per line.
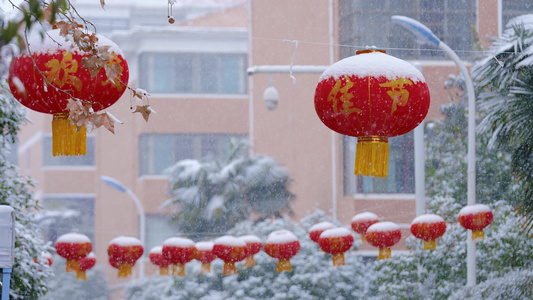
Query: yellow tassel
x=65 y=139
x=124 y=270
x=338 y=259
x=284 y=265
x=178 y=270
x=206 y=268
x=384 y=253
x=229 y=268
x=430 y=245
x=372 y=156
x=163 y=271
x=249 y=261
x=81 y=275
x=478 y=235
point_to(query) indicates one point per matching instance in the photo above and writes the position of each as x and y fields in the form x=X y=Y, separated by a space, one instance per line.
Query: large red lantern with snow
x=125 y=251
x=86 y=263
x=317 y=229
x=230 y=249
x=362 y=221
x=384 y=235
x=53 y=72
x=372 y=96
x=336 y=241
x=282 y=244
x=178 y=251
x=254 y=245
x=73 y=247
x=428 y=227
x=476 y=217
x=205 y=255
x=156 y=257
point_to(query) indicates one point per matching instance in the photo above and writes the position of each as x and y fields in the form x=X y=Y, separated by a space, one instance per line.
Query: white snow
x=73 y=238
x=474 y=209
x=383 y=226
x=91 y=255
x=365 y=216
x=428 y=218
x=47 y=255
x=374 y=64
x=321 y=226
x=230 y=240
x=250 y=238
x=54 y=41
x=125 y=241
x=281 y=237
x=335 y=232
x=157 y=250
x=205 y=246
x=178 y=242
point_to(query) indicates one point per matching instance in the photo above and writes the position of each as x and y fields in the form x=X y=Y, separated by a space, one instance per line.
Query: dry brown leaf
x=102 y=2
x=103 y=51
x=112 y=71
x=93 y=64
x=64 y=28
x=144 y=110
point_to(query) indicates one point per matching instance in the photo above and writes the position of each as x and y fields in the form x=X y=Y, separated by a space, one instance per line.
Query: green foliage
x=211 y=196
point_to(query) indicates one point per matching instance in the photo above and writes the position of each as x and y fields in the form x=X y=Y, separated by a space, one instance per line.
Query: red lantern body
x=336 y=241
x=156 y=257
x=282 y=245
x=372 y=96
x=428 y=227
x=317 y=229
x=362 y=221
x=86 y=263
x=125 y=251
x=231 y=250
x=383 y=235
x=254 y=245
x=205 y=255
x=178 y=251
x=73 y=247
x=60 y=64
x=476 y=217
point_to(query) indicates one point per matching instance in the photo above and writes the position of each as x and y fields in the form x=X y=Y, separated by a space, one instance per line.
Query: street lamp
x=117 y=185
x=426 y=37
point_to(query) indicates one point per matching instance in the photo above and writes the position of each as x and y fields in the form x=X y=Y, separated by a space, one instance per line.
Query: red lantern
x=205 y=255
x=282 y=244
x=383 y=235
x=475 y=217
x=125 y=251
x=86 y=263
x=317 y=229
x=362 y=221
x=156 y=257
x=46 y=257
x=178 y=251
x=372 y=96
x=428 y=227
x=73 y=247
x=254 y=245
x=231 y=250
x=336 y=241
x=54 y=73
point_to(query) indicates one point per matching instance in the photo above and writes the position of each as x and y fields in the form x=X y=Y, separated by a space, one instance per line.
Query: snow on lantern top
x=73 y=238
x=428 y=218
x=205 y=246
x=322 y=226
x=365 y=216
x=474 y=209
x=157 y=250
x=125 y=241
x=281 y=237
x=250 y=238
x=230 y=240
x=335 y=232
x=178 y=242
x=383 y=226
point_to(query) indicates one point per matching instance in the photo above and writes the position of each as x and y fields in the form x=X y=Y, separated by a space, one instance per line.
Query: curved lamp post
x=426 y=37
x=117 y=185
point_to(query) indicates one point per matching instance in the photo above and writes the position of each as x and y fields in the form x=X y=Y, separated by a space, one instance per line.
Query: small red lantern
x=254 y=245
x=383 y=235
x=336 y=241
x=362 y=221
x=73 y=247
x=372 y=96
x=231 y=250
x=46 y=257
x=178 y=251
x=317 y=229
x=428 y=227
x=282 y=244
x=55 y=73
x=475 y=217
x=205 y=255
x=125 y=251
x=86 y=263
x=156 y=257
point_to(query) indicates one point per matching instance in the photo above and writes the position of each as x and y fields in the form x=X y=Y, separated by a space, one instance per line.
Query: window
x=82 y=160
x=159 y=151
x=514 y=8
x=64 y=214
x=159 y=227
x=193 y=73
x=369 y=23
x=401 y=172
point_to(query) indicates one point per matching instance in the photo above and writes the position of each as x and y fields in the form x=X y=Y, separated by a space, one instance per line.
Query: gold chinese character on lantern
x=68 y=66
x=341 y=94
x=398 y=94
